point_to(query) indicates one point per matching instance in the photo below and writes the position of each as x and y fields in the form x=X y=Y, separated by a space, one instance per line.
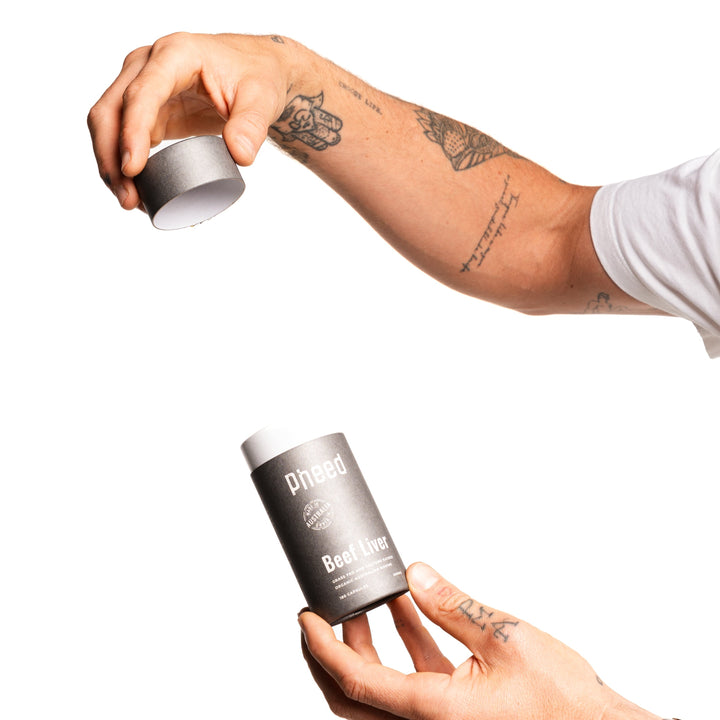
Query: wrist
x=302 y=69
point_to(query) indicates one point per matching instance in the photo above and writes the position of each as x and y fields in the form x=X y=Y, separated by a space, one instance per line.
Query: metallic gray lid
x=189 y=182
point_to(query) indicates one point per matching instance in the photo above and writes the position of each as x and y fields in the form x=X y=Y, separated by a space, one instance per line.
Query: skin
x=514 y=670
x=458 y=204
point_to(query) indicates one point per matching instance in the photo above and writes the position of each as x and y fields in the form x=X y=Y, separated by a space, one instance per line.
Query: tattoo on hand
x=480 y=616
x=602 y=305
x=495 y=228
x=463 y=146
x=304 y=119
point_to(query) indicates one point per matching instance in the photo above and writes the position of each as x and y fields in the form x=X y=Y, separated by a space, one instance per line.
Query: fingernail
x=246 y=147
x=121 y=194
x=301 y=620
x=124 y=160
x=422 y=576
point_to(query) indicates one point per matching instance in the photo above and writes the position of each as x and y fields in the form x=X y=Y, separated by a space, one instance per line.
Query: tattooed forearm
x=496 y=226
x=305 y=119
x=602 y=305
x=463 y=146
x=479 y=615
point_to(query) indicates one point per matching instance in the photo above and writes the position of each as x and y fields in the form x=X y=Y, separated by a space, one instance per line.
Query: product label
x=317 y=474
x=318 y=515
x=330 y=528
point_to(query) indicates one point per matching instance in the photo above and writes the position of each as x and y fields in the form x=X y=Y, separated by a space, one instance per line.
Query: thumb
x=251 y=114
x=486 y=632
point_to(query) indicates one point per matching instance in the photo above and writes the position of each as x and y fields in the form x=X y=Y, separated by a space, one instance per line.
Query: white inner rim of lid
x=199 y=204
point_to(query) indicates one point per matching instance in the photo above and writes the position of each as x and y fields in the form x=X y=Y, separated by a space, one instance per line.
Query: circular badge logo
x=318 y=515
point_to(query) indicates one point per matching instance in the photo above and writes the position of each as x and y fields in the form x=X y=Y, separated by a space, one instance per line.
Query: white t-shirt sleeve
x=658 y=238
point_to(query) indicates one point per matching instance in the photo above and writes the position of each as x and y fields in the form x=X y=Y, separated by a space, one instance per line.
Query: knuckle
x=177 y=40
x=451 y=600
x=353 y=688
x=130 y=92
x=135 y=55
x=94 y=116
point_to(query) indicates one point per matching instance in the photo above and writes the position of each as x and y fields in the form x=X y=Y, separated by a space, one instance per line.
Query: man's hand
x=514 y=672
x=186 y=85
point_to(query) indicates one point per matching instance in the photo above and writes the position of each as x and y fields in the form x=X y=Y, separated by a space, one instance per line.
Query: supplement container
x=326 y=520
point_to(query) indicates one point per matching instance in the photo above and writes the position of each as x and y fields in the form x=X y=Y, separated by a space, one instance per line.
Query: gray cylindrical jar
x=326 y=520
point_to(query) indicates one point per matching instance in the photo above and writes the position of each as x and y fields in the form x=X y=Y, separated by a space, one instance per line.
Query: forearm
x=458 y=204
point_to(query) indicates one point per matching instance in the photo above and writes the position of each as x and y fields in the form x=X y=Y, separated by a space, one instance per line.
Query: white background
x=561 y=469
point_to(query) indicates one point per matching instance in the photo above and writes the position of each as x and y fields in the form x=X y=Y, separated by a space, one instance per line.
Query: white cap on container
x=271 y=441
x=189 y=182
